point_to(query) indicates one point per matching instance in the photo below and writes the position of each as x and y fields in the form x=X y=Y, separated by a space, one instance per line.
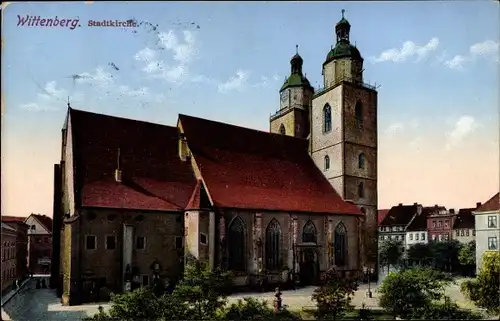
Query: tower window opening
x=327 y=162
x=361 y=190
x=282 y=130
x=361 y=161
x=327 y=118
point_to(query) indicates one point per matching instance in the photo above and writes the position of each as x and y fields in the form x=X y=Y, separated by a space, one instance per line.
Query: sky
x=437 y=65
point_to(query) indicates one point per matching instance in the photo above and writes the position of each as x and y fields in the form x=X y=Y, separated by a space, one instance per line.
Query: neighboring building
x=381 y=214
x=9 y=261
x=416 y=232
x=340 y=123
x=136 y=198
x=464 y=226
x=39 y=243
x=395 y=223
x=440 y=224
x=17 y=223
x=487 y=221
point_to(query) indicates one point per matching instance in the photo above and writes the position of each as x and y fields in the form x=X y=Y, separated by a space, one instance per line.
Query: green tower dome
x=343 y=48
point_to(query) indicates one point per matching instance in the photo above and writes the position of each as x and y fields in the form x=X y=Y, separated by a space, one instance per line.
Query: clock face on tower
x=284 y=96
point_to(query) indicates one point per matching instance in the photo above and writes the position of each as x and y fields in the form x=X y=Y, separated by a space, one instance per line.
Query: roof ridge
x=241 y=127
x=72 y=109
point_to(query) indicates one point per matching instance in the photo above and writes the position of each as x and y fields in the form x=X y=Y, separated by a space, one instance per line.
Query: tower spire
x=343 y=13
x=296 y=49
x=68 y=103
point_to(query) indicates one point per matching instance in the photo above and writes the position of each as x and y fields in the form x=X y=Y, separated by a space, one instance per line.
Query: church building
x=133 y=200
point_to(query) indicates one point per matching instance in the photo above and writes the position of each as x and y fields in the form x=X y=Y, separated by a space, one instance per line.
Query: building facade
x=464 y=226
x=440 y=224
x=395 y=223
x=416 y=232
x=487 y=223
x=39 y=243
x=21 y=251
x=340 y=122
x=9 y=261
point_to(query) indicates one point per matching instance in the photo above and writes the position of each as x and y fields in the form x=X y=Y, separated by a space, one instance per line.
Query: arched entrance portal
x=309 y=267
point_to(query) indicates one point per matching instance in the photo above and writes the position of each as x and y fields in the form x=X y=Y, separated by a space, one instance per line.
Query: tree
x=403 y=292
x=391 y=253
x=143 y=304
x=420 y=253
x=484 y=290
x=202 y=289
x=334 y=297
x=444 y=311
x=253 y=309
x=467 y=256
x=445 y=255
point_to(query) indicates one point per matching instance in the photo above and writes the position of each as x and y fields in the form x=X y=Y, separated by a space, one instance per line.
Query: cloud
x=236 y=82
x=51 y=98
x=407 y=51
x=100 y=78
x=463 y=127
x=456 y=62
x=487 y=49
x=183 y=53
x=394 y=128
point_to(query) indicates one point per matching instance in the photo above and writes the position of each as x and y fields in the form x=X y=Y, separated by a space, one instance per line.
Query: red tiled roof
x=198 y=199
x=249 y=169
x=153 y=176
x=45 y=221
x=382 y=214
x=13 y=219
x=493 y=204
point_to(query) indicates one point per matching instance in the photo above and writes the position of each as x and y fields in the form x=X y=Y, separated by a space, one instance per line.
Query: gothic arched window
x=327 y=163
x=273 y=248
x=361 y=190
x=236 y=242
x=358 y=111
x=282 y=130
x=309 y=234
x=361 y=161
x=340 y=245
x=327 y=118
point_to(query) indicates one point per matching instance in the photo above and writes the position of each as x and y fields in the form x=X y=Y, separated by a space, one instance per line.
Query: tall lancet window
x=340 y=245
x=309 y=233
x=273 y=248
x=327 y=118
x=236 y=242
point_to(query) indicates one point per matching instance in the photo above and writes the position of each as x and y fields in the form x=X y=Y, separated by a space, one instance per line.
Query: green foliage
x=484 y=290
x=365 y=314
x=202 y=290
x=391 y=253
x=420 y=254
x=253 y=309
x=141 y=303
x=403 y=292
x=334 y=297
x=467 y=254
x=445 y=255
x=444 y=311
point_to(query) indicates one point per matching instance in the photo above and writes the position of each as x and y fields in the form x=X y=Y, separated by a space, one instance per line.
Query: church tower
x=344 y=131
x=293 y=117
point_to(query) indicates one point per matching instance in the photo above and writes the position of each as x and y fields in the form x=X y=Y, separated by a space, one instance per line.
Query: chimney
x=415 y=204
x=478 y=205
x=452 y=211
x=400 y=204
x=436 y=206
x=118 y=171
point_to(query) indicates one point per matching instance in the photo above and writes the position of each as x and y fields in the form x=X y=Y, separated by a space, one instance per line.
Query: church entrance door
x=308 y=267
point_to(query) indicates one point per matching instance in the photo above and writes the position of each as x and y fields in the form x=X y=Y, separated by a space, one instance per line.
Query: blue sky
x=436 y=62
